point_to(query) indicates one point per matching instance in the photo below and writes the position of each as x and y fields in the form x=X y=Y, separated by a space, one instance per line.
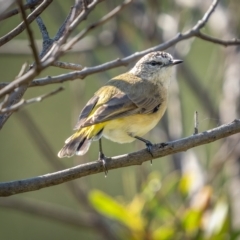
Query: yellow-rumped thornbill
x=126 y=108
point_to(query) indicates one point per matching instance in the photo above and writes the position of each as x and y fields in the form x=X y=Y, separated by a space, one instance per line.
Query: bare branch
x=22 y=70
x=23 y=102
x=196 y=123
x=30 y=35
x=124 y=61
x=13 y=98
x=48 y=210
x=199 y=90
x=136 y=158
x=96 y=24
x=206 y=16
x=16 y=11
x=56 y=51
x=9 y=36
x=66 y=65
x=225 y=43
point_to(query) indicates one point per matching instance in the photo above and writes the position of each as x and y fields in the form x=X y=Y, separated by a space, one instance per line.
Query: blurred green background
x=191 y=195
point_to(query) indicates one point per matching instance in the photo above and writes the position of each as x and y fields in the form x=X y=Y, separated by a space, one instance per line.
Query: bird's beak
x=176 y=61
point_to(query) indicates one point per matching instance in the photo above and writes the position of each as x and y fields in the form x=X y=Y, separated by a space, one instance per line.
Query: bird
x=126 y=107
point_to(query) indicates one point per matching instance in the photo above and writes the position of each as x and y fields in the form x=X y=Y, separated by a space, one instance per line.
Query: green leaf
x=163 y=233
x=192 y=220
x=113 y=209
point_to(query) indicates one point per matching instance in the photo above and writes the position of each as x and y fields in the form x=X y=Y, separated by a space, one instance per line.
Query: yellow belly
x=123 y=130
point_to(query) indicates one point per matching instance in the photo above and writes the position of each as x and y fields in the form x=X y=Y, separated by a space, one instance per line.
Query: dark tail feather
x=75 y=145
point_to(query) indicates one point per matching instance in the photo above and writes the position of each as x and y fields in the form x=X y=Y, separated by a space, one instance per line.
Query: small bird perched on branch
x=126 y=108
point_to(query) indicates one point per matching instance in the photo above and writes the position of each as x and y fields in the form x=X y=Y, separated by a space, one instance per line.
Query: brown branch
x=124 y=61
x=16 y=11
x=196 y=123
x=12 y=98
x=30 y=34
x=51 y=56
x=66 y=65
x=9 y=36
x=54 y=51
x=199 y=90
x=96 y=24
x=207 y=15
x=112 y=64
x=23 y=81
x=136 y=158
x=225 y=43
x=23 y=102
x=50 y=211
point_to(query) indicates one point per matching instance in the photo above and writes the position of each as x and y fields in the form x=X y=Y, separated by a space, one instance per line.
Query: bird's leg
x=149 y=145
x=102 y=157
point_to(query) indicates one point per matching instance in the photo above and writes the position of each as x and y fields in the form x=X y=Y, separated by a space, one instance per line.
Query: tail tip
x=65 y=153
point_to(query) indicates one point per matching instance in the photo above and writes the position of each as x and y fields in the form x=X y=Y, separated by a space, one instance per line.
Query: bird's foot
x=103 y=159
x=149 y=146
x=162 y=145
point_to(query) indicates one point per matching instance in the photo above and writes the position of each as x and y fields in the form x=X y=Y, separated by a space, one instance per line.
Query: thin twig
x=23 y=70
x=104 y=19
x=199 y=90
x=16 y=11
x=30 y=36
x=21 y=27
x=64 y=32
x=206 y=16
x=124 y=61
x=67 y=65
x=196 y=122
x=49 y=211
x=225 y=43
x=136 y=158
x=24 y=103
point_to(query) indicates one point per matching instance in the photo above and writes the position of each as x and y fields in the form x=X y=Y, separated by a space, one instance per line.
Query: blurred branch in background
x=57 y=213
x=16 y=11
x=23 y=102
x=21 y=27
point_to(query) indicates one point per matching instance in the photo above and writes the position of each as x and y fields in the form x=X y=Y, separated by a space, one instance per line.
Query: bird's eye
x=154 y=63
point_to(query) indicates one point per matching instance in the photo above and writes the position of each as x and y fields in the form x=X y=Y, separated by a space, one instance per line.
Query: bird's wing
x=147 y=98
x=118 y=104
x=86 y=111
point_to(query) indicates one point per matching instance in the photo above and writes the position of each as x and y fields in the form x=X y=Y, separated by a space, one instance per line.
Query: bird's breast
x=123 y=130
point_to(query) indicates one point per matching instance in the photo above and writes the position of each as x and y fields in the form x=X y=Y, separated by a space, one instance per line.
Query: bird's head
x=156 y=67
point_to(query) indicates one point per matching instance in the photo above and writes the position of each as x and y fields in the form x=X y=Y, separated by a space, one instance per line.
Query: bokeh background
x=190 y=195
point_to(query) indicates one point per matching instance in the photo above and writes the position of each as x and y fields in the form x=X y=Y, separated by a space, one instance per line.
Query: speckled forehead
x=161 y=56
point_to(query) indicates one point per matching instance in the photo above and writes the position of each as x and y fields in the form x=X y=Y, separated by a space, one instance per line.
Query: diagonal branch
x=16 y=11
x=23 y=102
x=136 y=158
x=67 y=65
x=125 y=61
x=30 y=35
x=50 y=211
x=94 y=25
x=21 y=27
x=225 y=43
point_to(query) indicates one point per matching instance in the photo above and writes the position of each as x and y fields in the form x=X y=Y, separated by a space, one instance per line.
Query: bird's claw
x=149 y=146
x=162 y=145
x=103 y=160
